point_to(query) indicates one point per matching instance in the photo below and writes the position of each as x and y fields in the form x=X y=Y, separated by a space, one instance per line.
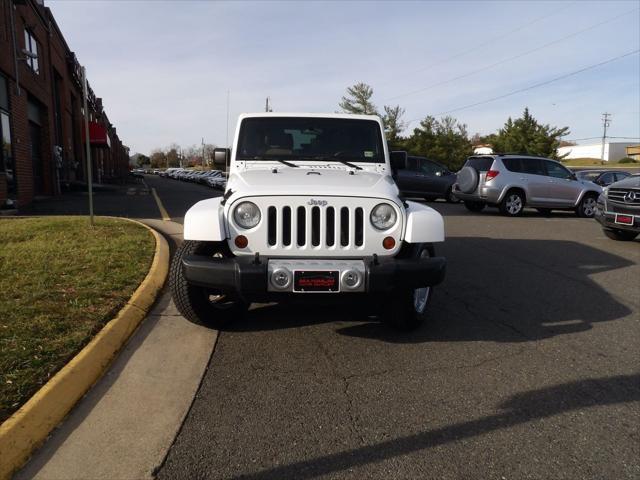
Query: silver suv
x=511 y=182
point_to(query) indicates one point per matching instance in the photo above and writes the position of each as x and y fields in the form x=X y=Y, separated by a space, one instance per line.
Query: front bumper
x=606 y=216
x=249 y=278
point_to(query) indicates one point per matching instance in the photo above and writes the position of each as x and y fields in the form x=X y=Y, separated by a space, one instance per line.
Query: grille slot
x=286 y=226
x=271 y=226
x=302 y=227
x=331 y=226
x=344 y=226
x=359 y=227
x=315 y=226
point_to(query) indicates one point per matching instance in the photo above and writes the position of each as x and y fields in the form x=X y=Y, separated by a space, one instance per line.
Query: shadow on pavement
x=495 y=290
x=520 y=408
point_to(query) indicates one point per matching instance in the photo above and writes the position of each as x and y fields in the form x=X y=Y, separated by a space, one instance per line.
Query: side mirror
x=398 y=160
x=221 y=157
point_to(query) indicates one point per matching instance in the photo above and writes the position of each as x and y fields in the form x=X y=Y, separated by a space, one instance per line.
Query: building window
x=31 y=46
x=6 y=155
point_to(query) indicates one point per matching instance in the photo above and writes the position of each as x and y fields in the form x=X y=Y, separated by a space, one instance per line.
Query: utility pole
x=267 y=107
x=87 y=143
x=203 y=159
x=605 y=122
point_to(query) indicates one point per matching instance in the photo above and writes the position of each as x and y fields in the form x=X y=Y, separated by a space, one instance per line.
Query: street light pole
x=87 y=144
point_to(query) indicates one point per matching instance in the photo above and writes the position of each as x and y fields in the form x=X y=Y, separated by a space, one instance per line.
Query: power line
x=598 y=138
x=514 y=57
x=531 y=87
x=481 y=45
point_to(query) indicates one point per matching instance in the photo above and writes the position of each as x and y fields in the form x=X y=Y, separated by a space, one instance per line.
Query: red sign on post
x=98 y=135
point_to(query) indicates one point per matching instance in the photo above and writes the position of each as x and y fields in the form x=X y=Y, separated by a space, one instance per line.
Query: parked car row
x=513 y=182
x=211 y=178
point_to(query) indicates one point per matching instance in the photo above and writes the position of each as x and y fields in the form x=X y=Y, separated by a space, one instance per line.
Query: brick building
x=41 y=111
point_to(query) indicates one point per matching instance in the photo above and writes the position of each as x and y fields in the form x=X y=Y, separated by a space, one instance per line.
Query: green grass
x=61 y=281
x=588 y=162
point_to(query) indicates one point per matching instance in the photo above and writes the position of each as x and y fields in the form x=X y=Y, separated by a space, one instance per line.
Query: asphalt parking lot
x=529 y=369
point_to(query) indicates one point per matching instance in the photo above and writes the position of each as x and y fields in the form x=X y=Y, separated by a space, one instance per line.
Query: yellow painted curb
x=29 y=427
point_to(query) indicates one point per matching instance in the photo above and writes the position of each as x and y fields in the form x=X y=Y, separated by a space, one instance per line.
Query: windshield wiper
x=284 y=162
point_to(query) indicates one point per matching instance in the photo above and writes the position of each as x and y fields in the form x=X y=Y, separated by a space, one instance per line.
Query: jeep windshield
x=310 y=139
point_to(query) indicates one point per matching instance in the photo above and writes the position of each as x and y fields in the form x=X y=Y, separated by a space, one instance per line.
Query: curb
x=28 y=428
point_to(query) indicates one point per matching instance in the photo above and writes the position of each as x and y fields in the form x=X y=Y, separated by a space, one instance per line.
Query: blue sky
x=164 y=68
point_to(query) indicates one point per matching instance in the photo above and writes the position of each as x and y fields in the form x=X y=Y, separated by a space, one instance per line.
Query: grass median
x=60 y=282
x=596 y=163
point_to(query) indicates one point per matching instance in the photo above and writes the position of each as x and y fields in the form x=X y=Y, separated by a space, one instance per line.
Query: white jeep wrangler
x=310 y=211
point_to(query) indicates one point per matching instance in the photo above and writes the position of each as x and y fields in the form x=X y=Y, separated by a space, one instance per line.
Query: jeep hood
x=312 y=181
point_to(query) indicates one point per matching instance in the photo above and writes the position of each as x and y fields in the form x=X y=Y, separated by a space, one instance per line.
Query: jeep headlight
x=383 y=216
x=247 y=214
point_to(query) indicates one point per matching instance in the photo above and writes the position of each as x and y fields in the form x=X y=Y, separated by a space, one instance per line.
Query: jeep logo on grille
x=319 y=203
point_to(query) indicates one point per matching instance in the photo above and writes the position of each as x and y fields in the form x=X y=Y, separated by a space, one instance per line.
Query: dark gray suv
x=511 y=182
x=618 y=209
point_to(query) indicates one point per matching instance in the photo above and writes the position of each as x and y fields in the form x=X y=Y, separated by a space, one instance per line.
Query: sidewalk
x=115 y=201
x=125 y=425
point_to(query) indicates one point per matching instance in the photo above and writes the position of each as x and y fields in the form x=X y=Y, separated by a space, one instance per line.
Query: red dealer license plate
x=624 y=219
x=316 y=281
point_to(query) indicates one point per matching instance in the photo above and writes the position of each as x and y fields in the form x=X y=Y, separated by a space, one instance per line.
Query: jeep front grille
x=315 y=226
x=618 y=195
x=301 y=226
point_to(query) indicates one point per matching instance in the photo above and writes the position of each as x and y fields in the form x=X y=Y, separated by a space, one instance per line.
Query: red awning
x=98 y=135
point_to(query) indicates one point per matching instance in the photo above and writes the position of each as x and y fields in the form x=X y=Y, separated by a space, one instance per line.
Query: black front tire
x=474 y=206
x=512 y=204
x=587 y=207
x=407 y=309
x=198 y=304
x=620 y=235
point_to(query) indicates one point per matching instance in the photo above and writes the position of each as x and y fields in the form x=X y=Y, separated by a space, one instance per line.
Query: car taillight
x=491 y=174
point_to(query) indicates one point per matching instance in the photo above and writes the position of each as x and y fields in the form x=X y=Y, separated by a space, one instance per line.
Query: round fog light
x=350 y=279
x=281 y=278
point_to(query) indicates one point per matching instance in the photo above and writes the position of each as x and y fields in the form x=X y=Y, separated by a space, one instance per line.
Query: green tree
x=393 y=123
x=526 y=136
x=445 y=140
x=358 y=100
